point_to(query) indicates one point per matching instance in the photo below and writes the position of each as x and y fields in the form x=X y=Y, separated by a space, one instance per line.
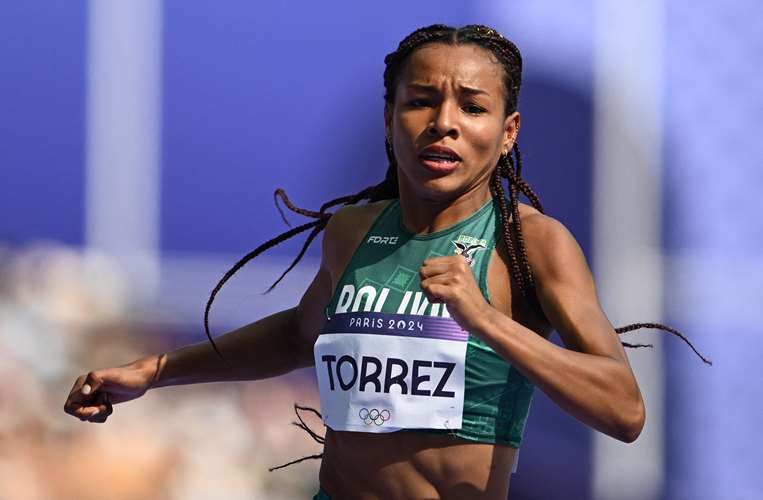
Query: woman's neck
x=423 y=216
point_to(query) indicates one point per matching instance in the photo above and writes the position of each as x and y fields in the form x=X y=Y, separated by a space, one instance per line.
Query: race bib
x=380 y=372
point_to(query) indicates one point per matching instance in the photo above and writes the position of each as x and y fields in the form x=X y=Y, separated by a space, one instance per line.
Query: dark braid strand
x=508 y=228
x=387 y=189
x=628 y=344
x=317 y=229
x=280 y=193
x=238 y=265
x=636 y=326
x=525 y=279
x=527 y=275
x=302 y=425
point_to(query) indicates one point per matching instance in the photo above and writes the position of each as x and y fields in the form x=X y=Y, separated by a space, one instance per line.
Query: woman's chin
x=441 y=189
x=427 y=185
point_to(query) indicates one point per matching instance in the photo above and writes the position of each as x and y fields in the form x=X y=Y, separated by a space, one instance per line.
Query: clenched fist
x=93 y=394
x=449 y=280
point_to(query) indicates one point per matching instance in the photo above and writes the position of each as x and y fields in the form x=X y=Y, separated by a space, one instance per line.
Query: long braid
x=508 y=168
x=508 y=228
x=524 y=186
x=525 y=279
x=371 y=193
x=636 y=326
x=528 y=279
x=317 y=229
x=238 y=265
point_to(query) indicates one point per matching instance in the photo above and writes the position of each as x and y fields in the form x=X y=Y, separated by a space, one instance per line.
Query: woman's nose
x=444 y=122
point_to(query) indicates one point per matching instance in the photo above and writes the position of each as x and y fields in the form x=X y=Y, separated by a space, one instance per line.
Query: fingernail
x=86 y=389
x=96 y=412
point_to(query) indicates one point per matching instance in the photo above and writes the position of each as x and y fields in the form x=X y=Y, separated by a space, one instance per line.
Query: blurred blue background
x=141 y=142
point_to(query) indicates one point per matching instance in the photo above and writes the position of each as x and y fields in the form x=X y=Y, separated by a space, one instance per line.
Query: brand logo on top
x=468 y=246
x=383 y=240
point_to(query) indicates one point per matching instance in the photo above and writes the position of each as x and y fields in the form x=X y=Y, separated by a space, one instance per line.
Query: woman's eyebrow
x=473 y=91
x=423 y=87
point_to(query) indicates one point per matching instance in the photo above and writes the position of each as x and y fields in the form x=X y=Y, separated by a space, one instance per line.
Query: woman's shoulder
x=345 y=231
x=540 y=227
x=353 y=221
x=550 y=245
x=548 y=242
x=355 y=214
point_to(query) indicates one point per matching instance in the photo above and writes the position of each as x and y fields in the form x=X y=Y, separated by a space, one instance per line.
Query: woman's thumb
x=92 y=383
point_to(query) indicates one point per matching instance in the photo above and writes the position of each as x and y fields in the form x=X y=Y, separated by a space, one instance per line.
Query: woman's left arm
x=591 y=379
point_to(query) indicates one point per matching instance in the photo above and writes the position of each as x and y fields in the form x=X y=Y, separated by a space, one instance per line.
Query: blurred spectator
x=64 y=312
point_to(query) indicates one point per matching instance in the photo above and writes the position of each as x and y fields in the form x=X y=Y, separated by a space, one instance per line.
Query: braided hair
x=508 y=168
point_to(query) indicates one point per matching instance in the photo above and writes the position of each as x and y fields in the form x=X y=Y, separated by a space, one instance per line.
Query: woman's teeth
x=439 y=158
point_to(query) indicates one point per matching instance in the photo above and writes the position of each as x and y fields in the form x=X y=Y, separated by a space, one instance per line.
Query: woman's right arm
x=274 y=345
x=271 y=346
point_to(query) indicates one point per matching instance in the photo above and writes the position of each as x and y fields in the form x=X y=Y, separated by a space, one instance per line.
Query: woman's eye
x=474 y=109
x=419 y=103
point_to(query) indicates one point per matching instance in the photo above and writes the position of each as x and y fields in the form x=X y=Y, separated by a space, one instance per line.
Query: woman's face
x=447 y=123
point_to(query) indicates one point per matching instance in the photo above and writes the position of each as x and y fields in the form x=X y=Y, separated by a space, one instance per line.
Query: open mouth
x=439 y=159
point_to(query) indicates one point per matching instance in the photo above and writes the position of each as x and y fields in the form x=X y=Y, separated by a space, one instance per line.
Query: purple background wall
x=42 y=121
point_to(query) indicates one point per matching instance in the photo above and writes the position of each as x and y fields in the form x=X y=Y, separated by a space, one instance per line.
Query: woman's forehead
x=467 y=64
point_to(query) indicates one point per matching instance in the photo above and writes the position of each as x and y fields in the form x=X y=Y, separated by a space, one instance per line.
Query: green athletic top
x=497 y=397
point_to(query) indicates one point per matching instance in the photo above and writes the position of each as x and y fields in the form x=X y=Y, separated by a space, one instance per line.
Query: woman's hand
x=93 y=394
x=450 y=281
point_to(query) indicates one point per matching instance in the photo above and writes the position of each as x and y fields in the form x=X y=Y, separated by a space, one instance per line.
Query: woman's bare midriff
x=410 y=465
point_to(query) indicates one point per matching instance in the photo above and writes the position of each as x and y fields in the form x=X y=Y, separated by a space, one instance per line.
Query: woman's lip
x=440 y=151
x=439 y=167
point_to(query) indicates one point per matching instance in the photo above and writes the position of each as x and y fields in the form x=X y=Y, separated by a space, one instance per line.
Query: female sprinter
x=428 y=320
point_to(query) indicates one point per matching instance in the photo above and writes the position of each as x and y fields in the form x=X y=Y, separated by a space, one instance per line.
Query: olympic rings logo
x=373 y=416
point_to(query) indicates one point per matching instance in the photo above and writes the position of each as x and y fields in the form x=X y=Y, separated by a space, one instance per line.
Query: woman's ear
x=510 y=131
